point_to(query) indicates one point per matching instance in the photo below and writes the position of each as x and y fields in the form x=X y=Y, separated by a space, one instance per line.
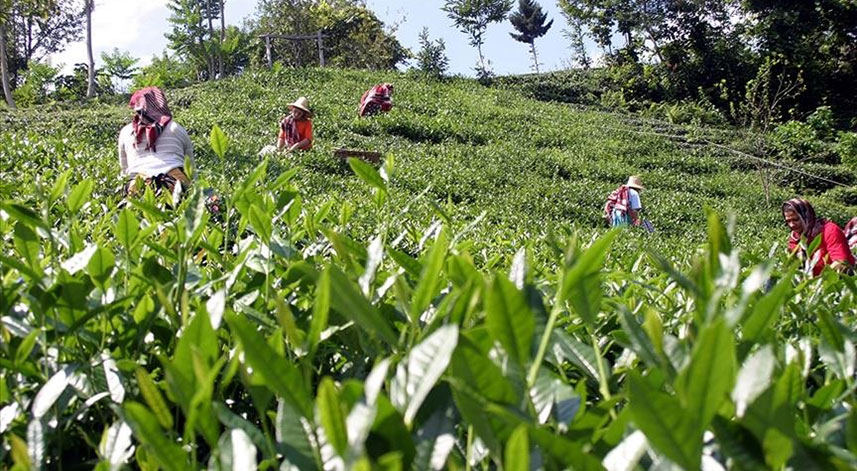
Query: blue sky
x=139 y=27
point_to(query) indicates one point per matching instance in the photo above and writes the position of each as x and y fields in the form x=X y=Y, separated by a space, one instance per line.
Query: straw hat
x=634 y=182
x=302 y=104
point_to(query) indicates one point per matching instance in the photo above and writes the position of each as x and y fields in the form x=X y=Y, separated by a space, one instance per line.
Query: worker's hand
x=840 y=267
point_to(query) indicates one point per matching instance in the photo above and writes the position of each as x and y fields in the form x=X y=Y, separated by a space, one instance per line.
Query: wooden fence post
x=320 y=49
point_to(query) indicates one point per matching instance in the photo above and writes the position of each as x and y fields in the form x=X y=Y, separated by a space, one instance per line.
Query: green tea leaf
x=23 y=214
x=640 y=341
x=565 y=347
x=127 y=228
x=421 y=369
x=429 y=277
x=667 y=425
x=410 y=264
x=851 y=431
x=154 y=399
x=510 y=320
x=350 y=303
x=60 y=185
x=219 y=141
x=51 y=391
x=581 y=285
x=517 y=453
x=101 y=265
x=237 y=451
x=321 y=310
x=233 y=421
x=753 y=379
x=80 y=195
x=293 y=434
x=766 y=311
x=709 y=377
x=367 y=173
x=149 y=433
x=331 y=417
x=261 y=223
x=279 y=375
x=26 y=346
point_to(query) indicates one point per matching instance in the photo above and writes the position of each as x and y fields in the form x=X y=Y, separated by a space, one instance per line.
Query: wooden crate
x=365 y=155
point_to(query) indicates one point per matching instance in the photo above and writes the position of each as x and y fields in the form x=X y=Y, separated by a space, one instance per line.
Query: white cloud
x=133 y=26
x=137 y=27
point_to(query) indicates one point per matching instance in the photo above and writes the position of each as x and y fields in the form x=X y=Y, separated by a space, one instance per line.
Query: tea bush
x=459 y=307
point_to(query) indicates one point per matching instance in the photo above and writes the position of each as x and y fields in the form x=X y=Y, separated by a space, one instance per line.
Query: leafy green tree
x=119 y=66
x=529 y=21
x=816 y=38
x=578 y=44
x=190 y=37
x=31 y=30
x=472 y=18
x=73 y=87
x=165 y=71
x=698 y=47
x=36 y=82
x=431 y=58
x=236 y=50
x=354 y=36
x=285 y=17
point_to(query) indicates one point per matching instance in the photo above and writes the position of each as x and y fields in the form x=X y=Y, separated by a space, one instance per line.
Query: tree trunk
x=211 y=57
x=481 y=58
x=90 y=87
x=202 y=47
x=535 y=56
x=222 y=38
x=4 y=69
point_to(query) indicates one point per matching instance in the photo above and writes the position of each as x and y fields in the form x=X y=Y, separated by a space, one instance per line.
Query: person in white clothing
x=153 y=146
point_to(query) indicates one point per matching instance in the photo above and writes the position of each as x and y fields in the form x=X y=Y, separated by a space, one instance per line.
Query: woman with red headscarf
x=153 y=146
x=377 y=99
x=832 y=251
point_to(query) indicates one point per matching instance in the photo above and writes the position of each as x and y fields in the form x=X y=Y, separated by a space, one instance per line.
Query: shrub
x=827 y=173
x=846 y=148
x=37 y=80
x=431 y=58
x=823 y=122
x=796 y=140
x=843 y=194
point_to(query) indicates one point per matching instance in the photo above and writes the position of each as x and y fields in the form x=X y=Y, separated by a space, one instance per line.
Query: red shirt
x=304 y=132
x=833 y=248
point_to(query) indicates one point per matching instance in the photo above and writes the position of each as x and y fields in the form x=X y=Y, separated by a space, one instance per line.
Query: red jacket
x=833 y=248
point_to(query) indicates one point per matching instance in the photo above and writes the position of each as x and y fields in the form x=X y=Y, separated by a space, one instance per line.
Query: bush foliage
x=457 y=306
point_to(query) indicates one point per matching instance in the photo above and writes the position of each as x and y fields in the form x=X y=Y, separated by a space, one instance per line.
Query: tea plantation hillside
x=458 y=146
x=459 y=307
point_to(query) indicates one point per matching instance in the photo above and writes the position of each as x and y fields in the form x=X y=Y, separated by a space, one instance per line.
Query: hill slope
x=526 y=164
x=282 y=342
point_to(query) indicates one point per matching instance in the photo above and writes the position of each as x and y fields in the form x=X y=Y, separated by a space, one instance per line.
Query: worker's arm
x=840 y=255
x=302 y=145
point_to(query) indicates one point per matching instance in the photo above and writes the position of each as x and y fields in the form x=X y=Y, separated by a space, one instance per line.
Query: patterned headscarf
x=151 y=102
x=812 y=225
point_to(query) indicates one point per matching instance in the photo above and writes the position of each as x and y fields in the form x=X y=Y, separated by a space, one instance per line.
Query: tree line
x=757 y=61
x=201 y=46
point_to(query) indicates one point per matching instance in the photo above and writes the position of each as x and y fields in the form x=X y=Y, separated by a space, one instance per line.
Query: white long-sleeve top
x=172 y=146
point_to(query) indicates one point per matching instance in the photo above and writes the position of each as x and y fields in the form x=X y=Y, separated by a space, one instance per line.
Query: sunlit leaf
x=51 y=391
x=219 y=142
x=417 y=374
